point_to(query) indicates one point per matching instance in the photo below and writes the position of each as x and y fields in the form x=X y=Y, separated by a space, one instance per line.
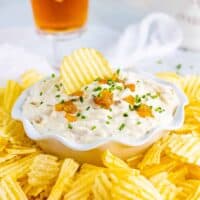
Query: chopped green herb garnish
x=118 y=71
x=78 y=114
x=178 y=67
x=131 y=108
x=159 y=61
x=119 y=88
x=83 y=117
x=81 y=99
x=110 y=109
x=86 y=87
x=88 y=108
x=53 y=75
x=62 y=101
x=137 y=99
x=122 y=126
x=109 y=117
x=41 y=93
x=109 y=82
x=58 y=95
x=97 y=79
x=154 y=96
x=138 y=122
x=159 y=109
x=93 y=128
x=125 y=114
x=97 y=89
x=73 y=100
x=41 y=102
x=61 y=84
x=107 y=122
x=70 y=126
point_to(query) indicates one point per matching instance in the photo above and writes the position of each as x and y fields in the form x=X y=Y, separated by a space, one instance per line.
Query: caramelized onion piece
x=129 y=99
x=105 y=99
x=144 y=111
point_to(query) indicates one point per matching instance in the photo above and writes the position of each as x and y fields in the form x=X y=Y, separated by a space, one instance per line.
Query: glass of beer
x=60 y=19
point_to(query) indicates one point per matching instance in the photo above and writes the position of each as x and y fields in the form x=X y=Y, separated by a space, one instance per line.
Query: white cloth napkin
x=155 y=36
x=16 y=60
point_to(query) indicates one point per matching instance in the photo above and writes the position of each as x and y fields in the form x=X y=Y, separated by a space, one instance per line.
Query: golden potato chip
x=189 y=188
x=30 y=77
x=178 y=174
x=18 y=168
x=152 y=156
x=11 y=190
x=82 y=67
x=111 y=161
x=3 y=143
x=171 y=77
x=67 y=171
x=184 y=147
x=134 y=187
x=5 y=157
x=134 y=160
x=102 y=186
x=20 y=150
x=191 y=87
x=166 y=165
x=4 y=118
x=12 y=91
x=82 y=187
x=40 y=174
x=2 y=90
x=167 y=189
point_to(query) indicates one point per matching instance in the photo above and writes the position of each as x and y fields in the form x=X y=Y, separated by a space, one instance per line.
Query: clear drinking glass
x=59 y=20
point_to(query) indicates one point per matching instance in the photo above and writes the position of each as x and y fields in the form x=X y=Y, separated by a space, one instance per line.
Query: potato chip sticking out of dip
x=82 y=67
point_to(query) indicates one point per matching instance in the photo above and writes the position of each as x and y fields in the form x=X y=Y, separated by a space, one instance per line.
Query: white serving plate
x=63 y=147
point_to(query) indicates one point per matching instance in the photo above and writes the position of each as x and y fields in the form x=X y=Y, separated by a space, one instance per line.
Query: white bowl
x=90 y=153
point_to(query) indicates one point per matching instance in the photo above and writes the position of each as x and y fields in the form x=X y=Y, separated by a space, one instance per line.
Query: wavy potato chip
x=82 y=67
x=102 y=187
x=12 y=91
x=152 y=156
x=184 y=147
x=11 y=190
x=82 y=186
x=30 y=77
x=167 y=189
x=67 y=171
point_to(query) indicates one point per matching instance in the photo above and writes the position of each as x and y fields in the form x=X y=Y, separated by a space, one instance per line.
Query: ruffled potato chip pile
x=168 y=170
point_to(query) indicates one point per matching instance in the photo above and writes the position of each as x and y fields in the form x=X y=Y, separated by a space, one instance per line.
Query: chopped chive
x=110 y=109
x=70 y=126
x=61 y=84
x=88 y=108
x=109 y=82
x=97 y=79
x=97 y=89
x=125 y=114
x=118 y=71
x=122 y=126
x=109 y=117
x=137 y=99
x=83 y=117
x=53 y=75
x=119 y=88
x=107 y=122
x=62 y=101
x=41 y=93
x=138 y=122
x=41 y=102
x=93 y=128
x=178 y=67
x=81 y=99
x=78 y=114
x=58 y=95
x=86 y=87
x=159 y=61
x=159 y=109
x=131 y=108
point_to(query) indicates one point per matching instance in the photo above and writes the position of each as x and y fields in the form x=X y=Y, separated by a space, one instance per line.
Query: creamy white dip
x=94 y=122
